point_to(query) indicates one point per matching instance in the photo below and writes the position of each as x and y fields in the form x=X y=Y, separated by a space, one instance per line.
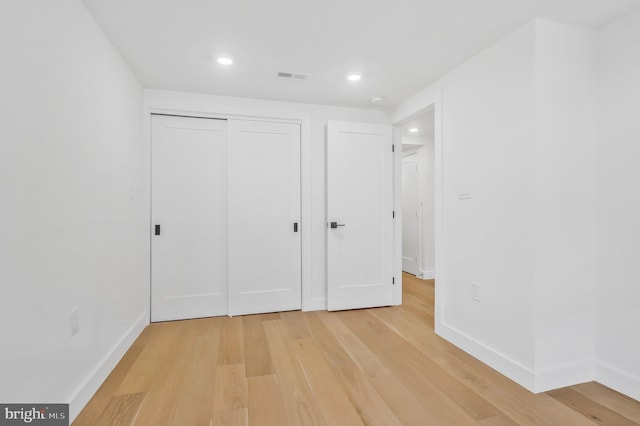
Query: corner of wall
x=496 y=360
x=618 y=204
x=94 y=380
x=427 y=275
x=566 y=375
x=621 y=381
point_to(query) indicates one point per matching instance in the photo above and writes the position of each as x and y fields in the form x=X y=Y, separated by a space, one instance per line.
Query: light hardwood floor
x=382 y=366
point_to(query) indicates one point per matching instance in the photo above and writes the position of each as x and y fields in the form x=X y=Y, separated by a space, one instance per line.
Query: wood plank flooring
x=382 y=366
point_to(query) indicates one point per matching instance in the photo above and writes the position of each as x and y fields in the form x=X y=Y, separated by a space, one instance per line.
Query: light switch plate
x=464 y=193
x=475 y=291
x=74 y=322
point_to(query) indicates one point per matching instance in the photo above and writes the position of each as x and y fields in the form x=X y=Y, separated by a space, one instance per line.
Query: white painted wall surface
x=618 y=206
x=413 y=140
x=518 y=125
x=563 y=217
x=427 y=209
x=319 y=116
x=487 y=143
x=73 y=222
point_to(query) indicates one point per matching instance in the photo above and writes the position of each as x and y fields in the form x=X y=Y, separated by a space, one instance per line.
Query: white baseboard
x=95 y=379
x=510 y=368
x=538 y=381
x=317 y=304
x=619 y=380
x=427 y=275
x=566 y=375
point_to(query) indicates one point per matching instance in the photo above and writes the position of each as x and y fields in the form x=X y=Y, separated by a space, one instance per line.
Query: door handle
x=295 y=226
x=334 y=225
x=157 y=229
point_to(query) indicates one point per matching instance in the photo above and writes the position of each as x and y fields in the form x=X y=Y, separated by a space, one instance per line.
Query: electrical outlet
x=74 y=322
x=475 y=291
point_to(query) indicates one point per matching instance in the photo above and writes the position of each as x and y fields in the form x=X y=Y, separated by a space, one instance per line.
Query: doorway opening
x=418 y=195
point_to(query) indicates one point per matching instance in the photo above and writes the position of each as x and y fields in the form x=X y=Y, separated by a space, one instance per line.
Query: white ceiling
x=399 y=46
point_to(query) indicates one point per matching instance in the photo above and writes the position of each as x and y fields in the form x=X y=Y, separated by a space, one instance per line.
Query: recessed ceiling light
x=354 y=77
x=225 y=61
x=413 y=129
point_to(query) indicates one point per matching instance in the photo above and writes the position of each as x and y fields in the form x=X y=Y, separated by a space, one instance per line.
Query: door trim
x=230 y=111
x=397 y=208
x=431 y=100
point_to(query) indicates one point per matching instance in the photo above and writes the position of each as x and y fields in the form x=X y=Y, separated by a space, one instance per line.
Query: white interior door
x=410 y=212
x=189 y=215
x=359 y=212
x=264 y=217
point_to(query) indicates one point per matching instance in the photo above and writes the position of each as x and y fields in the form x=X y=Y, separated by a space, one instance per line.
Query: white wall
x=73 y=223
x=486 y=108
x=618 y=206
x=487 y=140
x=427 y=208
x=414 y=140
x=563 y=220
x=518 y=132
x=318 y=116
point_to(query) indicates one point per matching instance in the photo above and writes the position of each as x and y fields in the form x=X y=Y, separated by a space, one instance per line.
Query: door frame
x=427 y=101
x=189 y=105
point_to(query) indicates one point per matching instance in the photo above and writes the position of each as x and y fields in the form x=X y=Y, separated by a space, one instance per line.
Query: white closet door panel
x=264 y=203
x=189 y=191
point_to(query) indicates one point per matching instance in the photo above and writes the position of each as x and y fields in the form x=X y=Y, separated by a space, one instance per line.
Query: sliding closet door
x=189 y=215
x=264 y=217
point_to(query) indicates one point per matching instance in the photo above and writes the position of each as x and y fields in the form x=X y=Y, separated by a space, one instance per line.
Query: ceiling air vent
x=291 y=75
